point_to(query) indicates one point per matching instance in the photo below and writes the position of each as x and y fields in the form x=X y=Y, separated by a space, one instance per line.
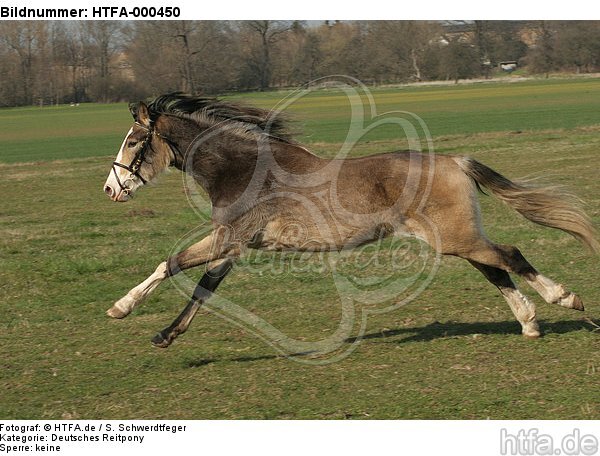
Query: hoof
x=571 y=301
x=161 y=341
x=122 y=307
x=531 y=329
x=115 y=312
x=577 y=303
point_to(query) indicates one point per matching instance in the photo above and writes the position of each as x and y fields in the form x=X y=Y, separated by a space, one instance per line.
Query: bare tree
x=309 y=59
x=212 y=57
x=20 y=39
x=56 y=61
x=344 y=49
x=577 y=45
x=103 y=38
x=150 y=49
x=184 y=31
x=191 y=57
x=458 y=59
x=482 y=43
x=72 y=53
x=541 y=58
x=403 y=45
x=505 y=42
x=259 y=59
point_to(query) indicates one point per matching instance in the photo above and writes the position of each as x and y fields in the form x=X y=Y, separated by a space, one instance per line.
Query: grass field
x=67 y=252
x=64 y=132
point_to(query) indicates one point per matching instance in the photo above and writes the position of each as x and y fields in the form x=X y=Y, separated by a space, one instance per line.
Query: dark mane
x=272 y=123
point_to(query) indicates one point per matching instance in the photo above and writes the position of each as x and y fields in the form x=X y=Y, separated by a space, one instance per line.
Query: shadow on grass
x=437 y=330
x=243 y=359
x=432 y=331
x=200 y=362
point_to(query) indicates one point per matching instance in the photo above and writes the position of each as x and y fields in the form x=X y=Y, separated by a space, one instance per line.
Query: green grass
x=463 y=109
x=62 y=132
x=67 y=253
x=33 y=134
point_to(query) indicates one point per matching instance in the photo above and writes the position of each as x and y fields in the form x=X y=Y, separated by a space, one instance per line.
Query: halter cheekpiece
x=136 y=163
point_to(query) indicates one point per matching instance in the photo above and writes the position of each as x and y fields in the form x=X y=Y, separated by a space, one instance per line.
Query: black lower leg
x=523 y=309
x=517 y=263
x=497 y=276
x=206 y=286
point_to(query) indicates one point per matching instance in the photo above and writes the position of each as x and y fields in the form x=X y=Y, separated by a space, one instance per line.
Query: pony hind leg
x=483 y=255
x=217 y=270
x=554 y=293
x=510 y=259
x=522 y=308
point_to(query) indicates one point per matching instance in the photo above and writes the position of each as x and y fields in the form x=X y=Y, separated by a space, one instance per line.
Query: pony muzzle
x=118 y=196
x=121 y=190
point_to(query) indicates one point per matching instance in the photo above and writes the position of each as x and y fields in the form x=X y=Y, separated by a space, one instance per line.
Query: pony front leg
x=127 y=303
x=212 y=247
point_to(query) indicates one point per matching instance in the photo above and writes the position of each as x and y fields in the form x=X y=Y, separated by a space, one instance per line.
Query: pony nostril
x=109 y=191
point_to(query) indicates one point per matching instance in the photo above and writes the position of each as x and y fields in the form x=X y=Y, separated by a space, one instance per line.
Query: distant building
x=508 y=66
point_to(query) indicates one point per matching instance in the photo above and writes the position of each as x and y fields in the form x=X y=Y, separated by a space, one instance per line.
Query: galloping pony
x=259 y=180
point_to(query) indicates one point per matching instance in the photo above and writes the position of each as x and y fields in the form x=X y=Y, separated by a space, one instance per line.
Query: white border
x=303 y=438
x=318 y=10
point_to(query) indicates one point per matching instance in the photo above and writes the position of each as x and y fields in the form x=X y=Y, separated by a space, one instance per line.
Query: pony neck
x=219 y=157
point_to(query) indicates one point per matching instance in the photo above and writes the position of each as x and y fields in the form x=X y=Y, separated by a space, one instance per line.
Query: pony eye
x=132 y=144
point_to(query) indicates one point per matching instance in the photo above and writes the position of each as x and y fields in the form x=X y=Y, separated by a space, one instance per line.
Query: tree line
x=56 y=62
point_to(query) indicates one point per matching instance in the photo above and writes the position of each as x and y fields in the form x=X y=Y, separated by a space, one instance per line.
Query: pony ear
x=140 y=113
x=133 y=110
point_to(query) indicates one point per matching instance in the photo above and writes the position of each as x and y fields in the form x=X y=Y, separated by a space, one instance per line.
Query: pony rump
x=550 y=206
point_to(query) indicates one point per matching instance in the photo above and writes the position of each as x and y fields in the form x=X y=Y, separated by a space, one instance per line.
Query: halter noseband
x=136 y=164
